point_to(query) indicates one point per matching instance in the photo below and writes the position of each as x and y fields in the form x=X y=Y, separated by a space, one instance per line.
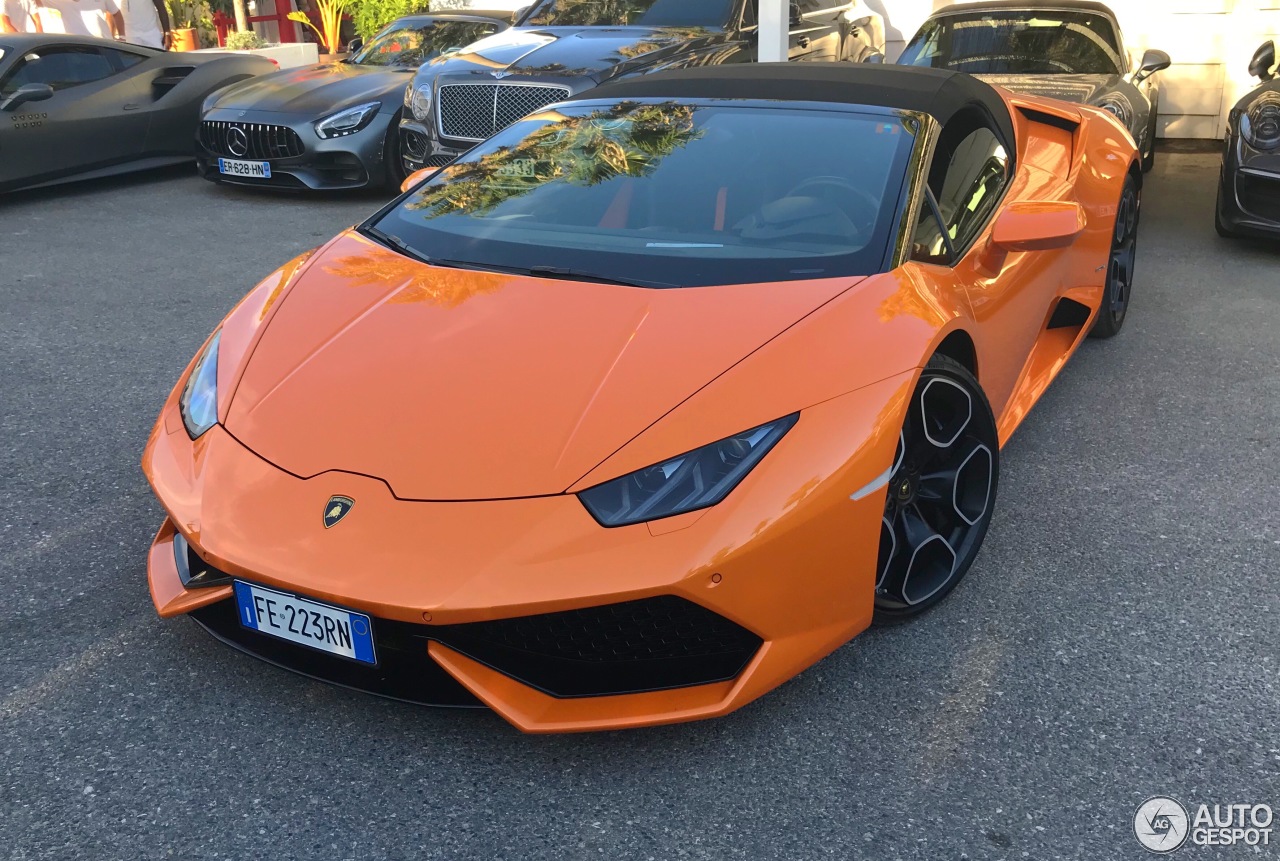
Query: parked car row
x=429 y=87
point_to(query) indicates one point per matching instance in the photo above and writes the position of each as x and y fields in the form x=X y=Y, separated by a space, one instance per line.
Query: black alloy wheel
x=1120 y=265
x=391 y=155
x=941 y=492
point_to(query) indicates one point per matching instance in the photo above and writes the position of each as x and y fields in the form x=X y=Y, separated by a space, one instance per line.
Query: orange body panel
x=464 y=409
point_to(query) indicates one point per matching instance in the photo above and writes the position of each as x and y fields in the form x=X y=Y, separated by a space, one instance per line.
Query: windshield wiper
x=581 y=275
x=395 y=243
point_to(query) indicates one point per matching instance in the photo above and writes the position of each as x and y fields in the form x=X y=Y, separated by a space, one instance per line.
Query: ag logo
x=1161 y=824
x=338 y=507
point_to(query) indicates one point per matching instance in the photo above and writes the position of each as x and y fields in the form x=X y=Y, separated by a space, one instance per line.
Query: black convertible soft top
x=938 y=92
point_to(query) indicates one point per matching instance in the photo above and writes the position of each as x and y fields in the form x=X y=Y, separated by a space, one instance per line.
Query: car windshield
x=668 y=194
x=618 y=13
x=399 y=45
x=1023 y=42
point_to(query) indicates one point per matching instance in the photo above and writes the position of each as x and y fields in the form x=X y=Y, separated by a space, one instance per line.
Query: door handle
x=803 y=42
x=132 y=107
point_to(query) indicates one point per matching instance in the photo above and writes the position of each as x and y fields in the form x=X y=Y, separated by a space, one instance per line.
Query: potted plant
x=244 y=40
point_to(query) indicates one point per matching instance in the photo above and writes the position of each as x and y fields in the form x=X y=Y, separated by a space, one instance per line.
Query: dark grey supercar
x=561 y=48
x=331 y=125
x=1249 y=187
x=75 y=107
x=1070 y=50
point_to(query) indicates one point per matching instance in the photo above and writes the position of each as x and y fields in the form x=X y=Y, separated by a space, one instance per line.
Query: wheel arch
x=958 y=346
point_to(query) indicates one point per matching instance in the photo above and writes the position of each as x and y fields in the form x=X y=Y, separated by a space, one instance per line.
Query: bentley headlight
x=698 y=479
x=199 y=402
x=422 y=102
x=347 y=122
x=1260 y=125
x=1118 y=106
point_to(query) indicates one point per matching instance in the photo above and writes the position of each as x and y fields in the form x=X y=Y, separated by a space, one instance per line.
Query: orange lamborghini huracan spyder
x=652 y=400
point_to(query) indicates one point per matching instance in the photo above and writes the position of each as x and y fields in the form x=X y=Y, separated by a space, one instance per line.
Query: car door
x=815 y=30
x=93 y=119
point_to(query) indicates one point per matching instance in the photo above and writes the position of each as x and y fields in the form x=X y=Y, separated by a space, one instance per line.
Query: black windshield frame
x=1009 y=22
x=882 y=251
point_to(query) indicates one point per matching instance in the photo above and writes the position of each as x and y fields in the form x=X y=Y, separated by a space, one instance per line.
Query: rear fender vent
x=1068 y=314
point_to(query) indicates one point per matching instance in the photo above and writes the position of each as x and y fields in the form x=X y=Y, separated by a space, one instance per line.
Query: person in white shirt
x=146 y=22
x=19 y=16
x=99 y=18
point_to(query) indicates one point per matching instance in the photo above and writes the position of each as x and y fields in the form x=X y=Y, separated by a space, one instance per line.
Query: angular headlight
x=347 y=122
x=1118 y=106
x=422 y=102
x=1260 y=125
x=698 y=479
x=199 y=401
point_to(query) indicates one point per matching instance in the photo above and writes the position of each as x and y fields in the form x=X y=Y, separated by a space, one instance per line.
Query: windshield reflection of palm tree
x=626 y=139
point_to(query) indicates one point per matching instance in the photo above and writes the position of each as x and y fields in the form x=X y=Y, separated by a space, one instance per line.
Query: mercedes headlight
x=347 y=122
x=421 y=100
x=199 y=401
x=1118 y=106
x=1260 y=125
x=697 y=479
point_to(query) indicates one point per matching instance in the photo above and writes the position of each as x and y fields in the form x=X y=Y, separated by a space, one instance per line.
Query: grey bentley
x=1071 y=50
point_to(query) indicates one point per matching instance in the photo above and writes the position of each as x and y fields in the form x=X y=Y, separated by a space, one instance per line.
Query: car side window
x=123 y=59
x=967 y=182
x=59 y=67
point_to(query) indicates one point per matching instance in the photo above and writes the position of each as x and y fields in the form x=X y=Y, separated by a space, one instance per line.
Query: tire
x=1153 y=122
x=395 y=173
x=1120 y=264
x=940 y=497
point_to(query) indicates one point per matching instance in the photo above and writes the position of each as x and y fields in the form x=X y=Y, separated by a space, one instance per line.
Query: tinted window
x=967 y=182
x=1034 y=41
x=670 y=193
x=60 y=68
x=413 y=46
x=644 y=13
x=123 y=59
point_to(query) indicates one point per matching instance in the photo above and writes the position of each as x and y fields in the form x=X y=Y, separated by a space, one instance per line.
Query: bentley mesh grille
x=257 y=140
x=475 y=111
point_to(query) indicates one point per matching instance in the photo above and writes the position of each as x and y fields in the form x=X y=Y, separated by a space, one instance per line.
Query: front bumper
x=419 y=147
x=527 y=605
x=1249 y=189
x=349 y=162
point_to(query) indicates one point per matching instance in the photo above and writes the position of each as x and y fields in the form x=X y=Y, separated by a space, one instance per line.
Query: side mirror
x=1263 y=59
x=1038 y=226
x=354 y=46
x=27 y=93
x=796 y=16
x=418 y=177
x=518 y=15
x=1152 y=61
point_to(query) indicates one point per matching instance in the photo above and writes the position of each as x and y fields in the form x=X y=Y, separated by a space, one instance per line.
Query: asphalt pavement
x=1118 y=638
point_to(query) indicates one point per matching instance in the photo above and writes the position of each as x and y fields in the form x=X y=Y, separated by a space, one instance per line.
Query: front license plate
x=255 y=169
x=318 y=626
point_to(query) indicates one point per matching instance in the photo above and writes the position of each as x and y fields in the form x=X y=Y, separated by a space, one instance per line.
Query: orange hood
x=452 y=384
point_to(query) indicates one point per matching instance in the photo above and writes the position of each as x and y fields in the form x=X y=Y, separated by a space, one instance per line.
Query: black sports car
x=331 y=125
x=76 y=107
x=563 y=47
x=1249 y=188
x=1070 y=50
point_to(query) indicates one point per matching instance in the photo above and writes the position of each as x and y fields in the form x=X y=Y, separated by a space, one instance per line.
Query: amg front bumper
x=528 y=606
x=1249 y=189
x=300 y=159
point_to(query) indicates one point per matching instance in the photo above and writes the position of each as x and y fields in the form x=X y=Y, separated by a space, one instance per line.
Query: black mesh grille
x=652 y=644
x=250 y=140
x=476 y=111
x=1259 y=196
